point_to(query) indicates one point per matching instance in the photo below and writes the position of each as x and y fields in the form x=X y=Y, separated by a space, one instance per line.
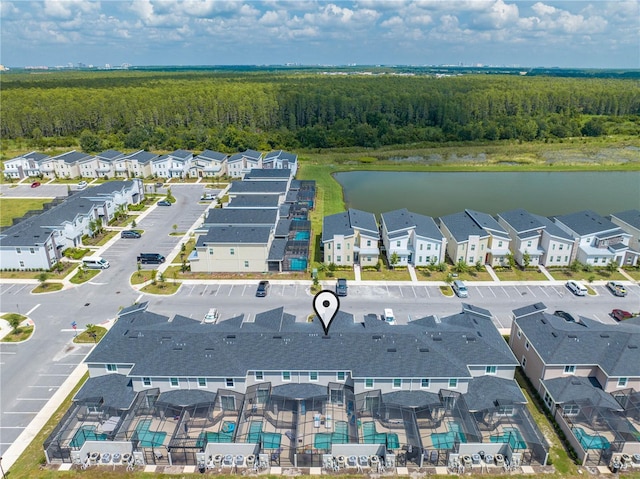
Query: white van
x=388 y=316
x=460 y=289
x=577 y=288
x=95 y=262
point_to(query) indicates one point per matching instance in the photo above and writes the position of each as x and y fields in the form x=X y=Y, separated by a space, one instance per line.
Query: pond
x=543 y=193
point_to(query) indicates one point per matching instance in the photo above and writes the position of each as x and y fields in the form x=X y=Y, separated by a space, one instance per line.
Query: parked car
x=617 y=288
x=35 y=184
x=212 y=316
x=159 y=184
x=341 y=287
x=577 y=288
x=130 y=234
x=564 y=315
x=263 y=288
x=620 y=314
x=460 y=289
x=150 y=258
x=164 y=203
x=82 y=185
x=388 y=316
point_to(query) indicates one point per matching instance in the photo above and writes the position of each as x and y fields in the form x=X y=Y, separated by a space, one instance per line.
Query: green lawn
x=11 y=208
x=386 y=275
x=516 y=274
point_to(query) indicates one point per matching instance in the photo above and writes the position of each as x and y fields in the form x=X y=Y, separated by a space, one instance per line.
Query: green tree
x=89 y=142
x=393 y=261
x=14 y=322
x=511 y=260
x=526 y=259
x=612 y=266
x=461 y=267
x=479 y=266
x=42 y=278
x=575 y=266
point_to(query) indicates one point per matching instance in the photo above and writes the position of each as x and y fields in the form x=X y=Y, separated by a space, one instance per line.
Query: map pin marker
x=326 y=305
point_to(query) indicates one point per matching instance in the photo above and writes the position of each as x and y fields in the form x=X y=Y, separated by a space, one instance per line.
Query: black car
x=263 y=287
x=150 y=258
x=341 y=287
x=164 y=203
x=130 y=234
x=564 y=315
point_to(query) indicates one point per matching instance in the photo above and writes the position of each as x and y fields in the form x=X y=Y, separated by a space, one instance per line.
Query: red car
x=35 y=184
x=621 y=315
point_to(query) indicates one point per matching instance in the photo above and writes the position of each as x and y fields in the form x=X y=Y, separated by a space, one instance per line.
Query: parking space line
x=6 y=290
x=244 y=289
x=52 y=374
x=414 y=291
x=492 y=292
x=230 y=289
x=204 y=290
x=401 y=293
x=217 y=291
x=20 y=412
x=543 y=290
x=32 y=399
x=33 y=309
x=531 y=291
x=43 y=386
x=427 y=291
x=387 y=286
x=480 y=292
x=20 y=289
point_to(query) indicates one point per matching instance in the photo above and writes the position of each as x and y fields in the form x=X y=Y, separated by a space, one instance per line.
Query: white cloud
x=64 y=9
x=542 y=9
x=498 y=15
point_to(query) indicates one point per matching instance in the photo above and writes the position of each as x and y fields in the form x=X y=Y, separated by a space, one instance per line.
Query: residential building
x=102 y=165
x=65 y=165
x=24 y=166
x=173 y=165
x=138 y=164
x=413 y=238
x=241 y=163
x=350 y=238
x=38 y=242
x=579 y=368
x=208 y=164
x=274 y=385
x=629 y=221
x=281 y=160
x=598 y=240
x=536 y=238
x=466 y=240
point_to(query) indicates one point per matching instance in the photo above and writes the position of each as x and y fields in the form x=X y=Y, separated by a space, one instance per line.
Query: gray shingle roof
x=231 y=348
x=254 y=201
x=402 y=219
x=142 y=156
x=414 y=399
x=461 y=226
x=299 y=391
x=614 y=347
x=258 y=187
x=186 y=397
x=281 y=154
x=237 y=217
x=487 y=222
x=521 y=220
x=586 y=222
x=283 y=226
x=250 y=154
x=346 y=222
x=212 y=155
x=631 y=217
x=269 y=174
x=277 y=249
x=235 y=235
x=72 y=156
x=485 y=392
x=578 y=389
x=553 y=229
x=180 y=154
x=115 y=390
x=110 y=155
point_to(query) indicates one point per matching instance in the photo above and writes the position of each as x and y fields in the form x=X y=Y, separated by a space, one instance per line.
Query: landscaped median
x=21 y=328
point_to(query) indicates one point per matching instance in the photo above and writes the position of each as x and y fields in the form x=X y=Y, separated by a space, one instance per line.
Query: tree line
x=229 y=111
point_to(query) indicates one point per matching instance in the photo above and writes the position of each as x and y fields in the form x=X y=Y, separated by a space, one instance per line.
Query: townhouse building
x=350 y=238
x=208 y=164
x=241 y=163
x=280 y=159
x=65 y=165
x=102 y=165
x=414 y=238
x=24 y=166
x=629 y=221
x=173 y=165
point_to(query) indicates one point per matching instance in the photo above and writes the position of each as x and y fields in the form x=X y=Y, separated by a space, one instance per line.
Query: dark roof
x=277 y=249
x=579 y=389
x=258 y=187
x=110 y=155
x=269 y=174
x=553 y=229
x=180 y=154
x=461 y=226
x=283 y=226
x=586 y=222
x=521 y=220
x=486 y=392
x=212 y=155
x=33 y=155
x=299 y=391
x=613 y=347
x=142 y=156
x=280 y=154
x=254 y=201
x=72 y=156
x=631 y=217
x=275 y=341
x=402 y=220
x=344 y=224
x=235 y=235
x=487 y=222
x=249 y=154
x=115 y=390
x=35 y=230
x=186 y=397
x=413 y=399
x=231 y=216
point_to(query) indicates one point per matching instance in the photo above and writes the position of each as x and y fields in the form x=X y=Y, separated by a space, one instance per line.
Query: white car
x=617 y=288
x=577 y=288
x=82 y=185
x=212 y=316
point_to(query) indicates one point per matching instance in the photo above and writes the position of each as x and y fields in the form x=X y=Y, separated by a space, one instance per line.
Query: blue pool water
x=591 y=442
x=148 y=438
x=301 y=235
x=86 y=433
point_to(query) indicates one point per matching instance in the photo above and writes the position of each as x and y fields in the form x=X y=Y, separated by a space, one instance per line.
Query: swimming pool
x=148 y=438
x=86 y=433
x=591 y=442
x=301 y=235
x=511 y=436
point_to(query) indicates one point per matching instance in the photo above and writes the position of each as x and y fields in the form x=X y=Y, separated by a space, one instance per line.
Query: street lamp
x=2 y=470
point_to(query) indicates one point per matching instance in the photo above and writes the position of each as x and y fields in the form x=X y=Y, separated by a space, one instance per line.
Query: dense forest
x=232 y=111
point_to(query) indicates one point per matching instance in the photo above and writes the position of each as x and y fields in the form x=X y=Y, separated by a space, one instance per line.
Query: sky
x=566 y=34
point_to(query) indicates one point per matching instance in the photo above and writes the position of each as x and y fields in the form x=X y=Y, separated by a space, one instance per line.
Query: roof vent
x=604 y=335
x=554 y=334
x=633 y=346
x=376 y=337
x=543 y=321
x=572 y=336
x=437 y=338
x=471 y=339
x=391 y=350
x=277 y=337
x=231 y=336
x=424 y=350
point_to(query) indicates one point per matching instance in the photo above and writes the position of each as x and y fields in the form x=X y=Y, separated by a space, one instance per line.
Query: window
x=246 y=264
x=22 y=264
x=499 y=244
x=424 y=383
x=398 y=244
x=397 y=383
x=419 y=259
x=368 y=242
x=473 y=247
x=336 y=396
x=18 y=250
x=622 y=382
x=369 y=259
x=569 y=369
x=566 y=258
x=232 y=251
x=547 y=399
x=32 y=251
x=526 y=345
x=202 y=382
x=558 y=258
x=228 y=403
x=368 y=383
x=313 y=375
x=420 y=246
x=519 y=333
x=505 y=411
x=210 y=250
x=229 y=382
x=259 y=375
x=112 y=368
x=529 y=244
x=329 y=258
x=553 y=246
x=471 y=259
x=560 y=247
x=570 y=409
x=453 y=383
x=175 y=382
x=348 y=246
x=338 y=246
x=338 y=258
x=328 y=245
x=490 y=370
x=286 y=375
x=340 y=376
x=146 y=382
x=523 y=362
x=429 y=247
x=348 y=258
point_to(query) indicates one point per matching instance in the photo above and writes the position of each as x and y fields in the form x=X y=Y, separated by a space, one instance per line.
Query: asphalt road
x=31 y=372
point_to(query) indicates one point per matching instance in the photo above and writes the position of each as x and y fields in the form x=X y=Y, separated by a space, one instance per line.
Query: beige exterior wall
x=234 y=258
x=634 y=241
x=340 y=250
x=534 y=368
